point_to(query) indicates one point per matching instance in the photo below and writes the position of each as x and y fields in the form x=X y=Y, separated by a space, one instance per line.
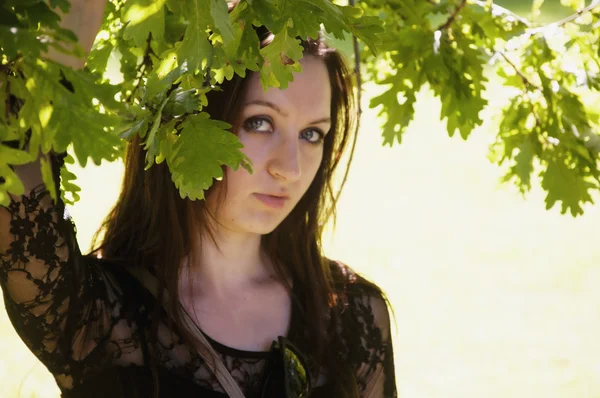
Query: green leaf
x=244 y=52
x=280 y=60
x=456 y=74
x=128 y=61
x=48 y=178
x=220 y=16
x=12 y=184
x=9 y=18
x=565 y=185
x=195 y=49
x=14 y=41
x=536 y=5
x=513 y=128
x=181 y=102
x=166 y=136
x=150 y=142
x=523 y=168
x=574 y=4
x=203 y=146
x=154 y=146
x=139 y=126
x=162 y=78
x=41 y=14
x=69 y=190
x=20 y=3
x=64 y=5
x=304 y=17
x=368 y=29
x=99 y=55
x=75 y=117
x=142 y=18
x=14 y=156
x=399 y=115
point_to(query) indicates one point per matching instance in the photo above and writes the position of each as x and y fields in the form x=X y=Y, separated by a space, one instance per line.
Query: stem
x=502 y=10
x=143 y=66
x=570 y=18
x=526 y=81
x=450 y=20
x=528 y=84
x=538 y=121
x=7 y=102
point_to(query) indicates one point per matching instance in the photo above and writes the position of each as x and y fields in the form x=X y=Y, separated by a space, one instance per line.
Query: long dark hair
x=151 y=224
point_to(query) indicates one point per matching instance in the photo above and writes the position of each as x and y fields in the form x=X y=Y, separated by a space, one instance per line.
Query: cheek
x=256 y=148
x=236 y=180
x=314 y=163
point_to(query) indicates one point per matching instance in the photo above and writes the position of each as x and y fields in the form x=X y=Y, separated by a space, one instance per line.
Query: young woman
x=245 y=264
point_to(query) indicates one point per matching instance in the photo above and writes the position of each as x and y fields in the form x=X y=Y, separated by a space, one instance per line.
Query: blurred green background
x=493 y=295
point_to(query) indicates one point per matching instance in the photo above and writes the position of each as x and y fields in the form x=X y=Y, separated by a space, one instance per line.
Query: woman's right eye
x=258 y=124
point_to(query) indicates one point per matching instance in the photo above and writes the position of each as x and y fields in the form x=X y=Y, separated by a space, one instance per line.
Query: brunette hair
x=151 y=224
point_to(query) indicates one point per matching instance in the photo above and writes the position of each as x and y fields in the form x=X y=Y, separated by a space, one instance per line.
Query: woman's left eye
x=314 y=136
x=259 y=124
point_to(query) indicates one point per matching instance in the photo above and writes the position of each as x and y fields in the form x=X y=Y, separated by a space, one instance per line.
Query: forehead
x=309 y=94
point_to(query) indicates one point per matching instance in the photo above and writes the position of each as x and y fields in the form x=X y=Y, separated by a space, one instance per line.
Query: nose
x=285 y=161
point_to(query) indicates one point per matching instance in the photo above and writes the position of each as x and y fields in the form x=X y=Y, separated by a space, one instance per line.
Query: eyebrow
x=278 y=110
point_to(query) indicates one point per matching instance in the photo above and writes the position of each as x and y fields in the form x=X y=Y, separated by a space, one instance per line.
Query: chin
x=264 y=230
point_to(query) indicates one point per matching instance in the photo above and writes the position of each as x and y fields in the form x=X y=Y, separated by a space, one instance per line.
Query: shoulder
x=349 y=284
x=362 y=334
x=359 y=302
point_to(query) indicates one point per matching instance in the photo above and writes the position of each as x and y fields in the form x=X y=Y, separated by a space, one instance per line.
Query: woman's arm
x=364 y=332
x=376 y=376
x=46 y=286
x=84 y=19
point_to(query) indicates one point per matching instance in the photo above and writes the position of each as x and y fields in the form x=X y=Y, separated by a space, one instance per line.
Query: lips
x=273 y=201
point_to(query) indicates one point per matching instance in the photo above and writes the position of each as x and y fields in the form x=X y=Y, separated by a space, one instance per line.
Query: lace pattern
x=76 y=315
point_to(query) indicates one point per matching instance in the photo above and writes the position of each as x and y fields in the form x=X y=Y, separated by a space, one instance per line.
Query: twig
x=452 y=17
x=526 y=81
x=570 y=18
x=501 y=9
x=527 y=84
x=143 y=66
x=538 y=121
x=7 y=102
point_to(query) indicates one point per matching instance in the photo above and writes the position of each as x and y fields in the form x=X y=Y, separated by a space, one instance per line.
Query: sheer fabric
x=88 y=321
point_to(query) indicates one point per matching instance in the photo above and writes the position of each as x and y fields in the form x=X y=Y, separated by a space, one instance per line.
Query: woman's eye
x=313 y=136
x=259 y=124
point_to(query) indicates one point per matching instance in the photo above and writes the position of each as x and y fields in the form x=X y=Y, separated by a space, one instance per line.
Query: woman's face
x=282 y=132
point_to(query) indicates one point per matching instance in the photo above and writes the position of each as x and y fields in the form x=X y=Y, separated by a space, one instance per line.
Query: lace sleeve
x=41 y=274
x=376 y=375
x=365 y=333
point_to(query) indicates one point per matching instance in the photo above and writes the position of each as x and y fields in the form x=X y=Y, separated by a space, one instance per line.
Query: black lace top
x=88 y=321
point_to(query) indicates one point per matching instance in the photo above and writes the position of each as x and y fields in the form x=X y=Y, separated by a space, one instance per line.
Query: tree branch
x=526 y=81
x=502 y=10
x=143 y=66
x=452 y=17
x=570 y=18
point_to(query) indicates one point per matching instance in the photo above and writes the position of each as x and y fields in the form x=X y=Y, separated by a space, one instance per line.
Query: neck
x=235 y=263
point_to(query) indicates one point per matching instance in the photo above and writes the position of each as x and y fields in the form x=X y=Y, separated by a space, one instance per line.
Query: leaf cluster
x=170 y=54
x=550 y=127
